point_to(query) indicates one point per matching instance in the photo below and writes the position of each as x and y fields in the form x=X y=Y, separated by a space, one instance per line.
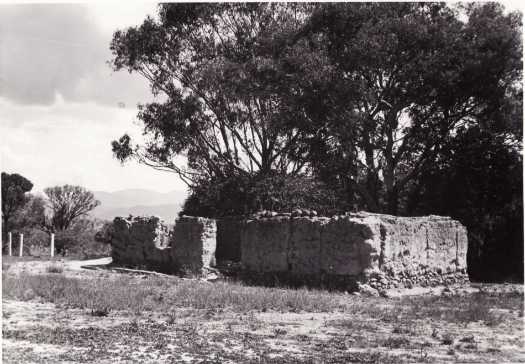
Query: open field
x=59 y=314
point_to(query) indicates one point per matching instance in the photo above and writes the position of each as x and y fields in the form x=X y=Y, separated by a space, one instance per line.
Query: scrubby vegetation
x=163 y=294
x=63 y=212
x=134 y=318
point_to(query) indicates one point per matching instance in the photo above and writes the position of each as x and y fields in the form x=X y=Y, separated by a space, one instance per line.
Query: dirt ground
x=40 y=332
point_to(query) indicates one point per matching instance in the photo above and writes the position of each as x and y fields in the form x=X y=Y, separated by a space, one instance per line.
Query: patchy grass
x=6 y=259
x=55 y=268
x=155 y=293
x=123 y=318
x=158 y=293
x=463 y=309
x=157 y=339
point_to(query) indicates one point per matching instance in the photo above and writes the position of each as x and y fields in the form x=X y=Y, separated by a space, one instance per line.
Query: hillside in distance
x=139 y=202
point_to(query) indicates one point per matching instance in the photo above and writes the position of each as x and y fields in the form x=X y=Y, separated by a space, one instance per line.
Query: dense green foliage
x=401 y=108
x=477 y=181
x=235 y=197
x=217 y=70
x=407 y=75
x=80 y=240
x=14 y=188
x=29 y=220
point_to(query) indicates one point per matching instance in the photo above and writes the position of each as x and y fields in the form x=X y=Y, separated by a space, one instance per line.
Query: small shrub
x=423 y=356
x=396 y=342
x=493 y=350
x=133 y=325
x=253 y=323
x=28 y=295
x=303 y=338
x=100 y=312
x=81 y=241
x=404 y=330
x=447 y=339
x=279 y=332
x=55 y=268
x=468 y=339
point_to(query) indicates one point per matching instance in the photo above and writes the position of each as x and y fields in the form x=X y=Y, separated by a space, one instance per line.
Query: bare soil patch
x=174 y=320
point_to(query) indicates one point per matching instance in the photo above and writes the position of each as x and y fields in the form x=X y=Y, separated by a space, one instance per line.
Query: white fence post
x=21 y=244
x=10 y=243
x=52 y=244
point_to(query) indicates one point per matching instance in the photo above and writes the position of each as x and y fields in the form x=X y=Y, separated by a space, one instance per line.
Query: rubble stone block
x=264 y=244
x=141 y=241
x=193 y=243
x=385 y=250
x=346 y=245
x=304 y=249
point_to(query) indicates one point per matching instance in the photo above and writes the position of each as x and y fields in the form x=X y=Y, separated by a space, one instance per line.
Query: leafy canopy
x=217 y=69
x=364 y=96
x=14 y=188
x=406 y=76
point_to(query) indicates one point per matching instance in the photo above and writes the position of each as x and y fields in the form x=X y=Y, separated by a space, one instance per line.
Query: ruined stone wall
x=380 y=250
x=194 y=243
x=145 y=242
x=141 y=242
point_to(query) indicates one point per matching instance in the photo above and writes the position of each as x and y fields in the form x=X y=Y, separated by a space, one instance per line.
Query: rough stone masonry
x=145 y=242
x=357 y=248
x=349 y=250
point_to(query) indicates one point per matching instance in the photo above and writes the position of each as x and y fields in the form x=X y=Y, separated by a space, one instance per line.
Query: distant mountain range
x=139 y=202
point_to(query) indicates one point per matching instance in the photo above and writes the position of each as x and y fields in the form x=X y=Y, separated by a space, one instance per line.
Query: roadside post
x=52 y=244
x=10 y=243
x=21 y=244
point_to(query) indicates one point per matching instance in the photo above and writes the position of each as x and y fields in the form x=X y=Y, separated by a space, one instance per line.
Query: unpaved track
x=78 y=264
x=71 y=268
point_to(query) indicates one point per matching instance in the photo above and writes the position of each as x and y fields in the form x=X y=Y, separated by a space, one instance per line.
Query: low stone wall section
x=194 y=243
x=381 y=250
x=145 y=242
x=141 y=242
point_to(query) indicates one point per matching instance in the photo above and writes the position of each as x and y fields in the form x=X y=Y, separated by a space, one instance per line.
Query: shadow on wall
x=146 y=243
x=357 y=248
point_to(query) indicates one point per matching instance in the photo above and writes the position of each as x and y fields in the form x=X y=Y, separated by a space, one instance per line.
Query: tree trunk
x=392 y=198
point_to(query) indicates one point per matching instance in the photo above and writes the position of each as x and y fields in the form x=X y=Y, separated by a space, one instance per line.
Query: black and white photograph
x=262 y=182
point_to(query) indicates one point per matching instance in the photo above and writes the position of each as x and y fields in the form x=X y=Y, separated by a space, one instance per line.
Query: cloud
x=62 y=49
x=70 y=143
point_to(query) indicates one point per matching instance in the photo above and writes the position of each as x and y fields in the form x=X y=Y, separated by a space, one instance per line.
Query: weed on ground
x=158 y=319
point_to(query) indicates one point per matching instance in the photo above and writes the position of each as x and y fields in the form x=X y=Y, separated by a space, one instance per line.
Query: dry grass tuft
x=55 y=268
x=156 y=293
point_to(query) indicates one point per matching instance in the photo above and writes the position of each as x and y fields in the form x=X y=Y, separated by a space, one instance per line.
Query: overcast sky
x=59 y=100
